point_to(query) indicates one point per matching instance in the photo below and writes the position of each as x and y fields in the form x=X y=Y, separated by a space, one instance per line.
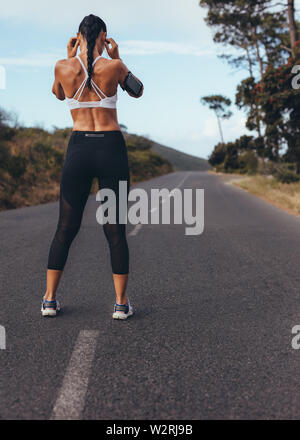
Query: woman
x=96 y=148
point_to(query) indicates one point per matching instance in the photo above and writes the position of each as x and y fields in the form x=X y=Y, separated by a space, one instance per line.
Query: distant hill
x=178 y=159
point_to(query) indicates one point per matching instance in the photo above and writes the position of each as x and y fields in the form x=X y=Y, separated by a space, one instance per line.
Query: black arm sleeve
x=132 y=84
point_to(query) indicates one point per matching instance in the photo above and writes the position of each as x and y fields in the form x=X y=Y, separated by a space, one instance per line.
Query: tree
x=265 y=32
x=292 y=24
x=218 y=155
x=259 y=34
x=225 y=156
x=6 y=131
x=239 y=155
x=240 y=23
x=219 y=104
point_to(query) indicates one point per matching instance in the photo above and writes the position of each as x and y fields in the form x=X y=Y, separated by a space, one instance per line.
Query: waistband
x=94 y=135
x=102 y=134
x=83 y=133
x=103 y=137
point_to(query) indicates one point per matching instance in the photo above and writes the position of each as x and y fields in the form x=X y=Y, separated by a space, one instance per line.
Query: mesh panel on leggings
x=119 y=254
x=67 y=228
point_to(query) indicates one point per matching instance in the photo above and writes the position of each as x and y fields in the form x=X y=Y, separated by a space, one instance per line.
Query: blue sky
x=166 y=43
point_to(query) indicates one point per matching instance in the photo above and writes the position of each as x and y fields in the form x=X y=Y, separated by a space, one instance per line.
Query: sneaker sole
x=120 y=315
x=50 y=313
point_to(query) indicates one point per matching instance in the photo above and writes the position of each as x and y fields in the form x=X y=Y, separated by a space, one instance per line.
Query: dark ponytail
x=90 y=28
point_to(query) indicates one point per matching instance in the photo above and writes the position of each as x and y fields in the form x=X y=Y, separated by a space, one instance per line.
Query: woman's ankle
x=49 y=296
x=122 y=300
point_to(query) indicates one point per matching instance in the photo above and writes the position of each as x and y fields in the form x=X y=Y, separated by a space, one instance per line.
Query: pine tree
x=219 y=104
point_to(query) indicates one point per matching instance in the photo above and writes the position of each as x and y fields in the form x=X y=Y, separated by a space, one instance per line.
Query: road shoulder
x=282 y=195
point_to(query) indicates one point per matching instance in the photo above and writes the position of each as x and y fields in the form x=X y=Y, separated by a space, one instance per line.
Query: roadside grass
x=283 y=195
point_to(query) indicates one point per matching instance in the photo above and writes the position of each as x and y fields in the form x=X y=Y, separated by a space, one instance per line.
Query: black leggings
x=100 y=154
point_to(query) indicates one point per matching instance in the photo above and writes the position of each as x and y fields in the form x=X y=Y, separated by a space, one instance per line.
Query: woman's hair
x=90 y=28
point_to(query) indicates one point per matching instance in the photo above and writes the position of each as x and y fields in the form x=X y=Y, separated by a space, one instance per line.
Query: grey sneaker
x=50 y=308
x=122 y=311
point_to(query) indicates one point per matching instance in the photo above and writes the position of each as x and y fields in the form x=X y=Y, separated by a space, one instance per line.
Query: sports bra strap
x=95 y=87
x=96 y=59
x=83 y=66
x=81 y=88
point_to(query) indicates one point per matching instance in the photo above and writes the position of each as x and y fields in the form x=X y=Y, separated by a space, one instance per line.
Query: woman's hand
x=112 y=51
x=72 y=47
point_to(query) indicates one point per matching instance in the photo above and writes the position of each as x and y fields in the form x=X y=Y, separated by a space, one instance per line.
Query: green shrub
x=286 y=173
x=17 y=166
x=45 y=157
x=248 y=162
x=7 y=133
x=218 y=155
x=131 y=146
x=139 y=142
x=4 y=156
x=146 y=164
x=267 y=167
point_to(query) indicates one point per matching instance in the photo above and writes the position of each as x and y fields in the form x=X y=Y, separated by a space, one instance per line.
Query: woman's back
x=106 y=77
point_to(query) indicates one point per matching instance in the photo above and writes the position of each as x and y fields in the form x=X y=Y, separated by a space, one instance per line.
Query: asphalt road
x=211 y=337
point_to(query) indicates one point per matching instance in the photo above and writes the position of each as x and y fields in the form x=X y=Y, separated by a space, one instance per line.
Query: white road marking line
x=2 y=338
x=183 y=180
x=135 y=230
x=139 y=226
x=70 y=402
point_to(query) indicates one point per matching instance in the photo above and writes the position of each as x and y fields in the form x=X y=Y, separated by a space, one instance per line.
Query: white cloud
x=210 y=128
x=177 y=26
x=182 y=15
x=235 y=127
x=129 y=47
x=232 y=128
x=202 y=141
x=32 y=60
x=143 y=47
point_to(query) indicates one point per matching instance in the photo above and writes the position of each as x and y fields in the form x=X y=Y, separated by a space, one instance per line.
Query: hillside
x=31 y=161
x=179 y=160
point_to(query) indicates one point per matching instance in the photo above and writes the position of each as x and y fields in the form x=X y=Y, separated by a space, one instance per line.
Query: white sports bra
x=107 y=101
